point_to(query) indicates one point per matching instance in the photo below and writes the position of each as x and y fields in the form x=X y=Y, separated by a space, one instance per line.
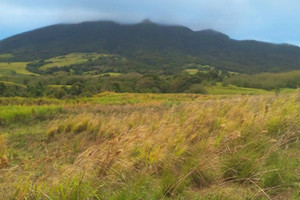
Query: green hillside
x=152 y=47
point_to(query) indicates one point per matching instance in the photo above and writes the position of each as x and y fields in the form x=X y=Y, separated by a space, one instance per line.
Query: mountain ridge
x=153 y=44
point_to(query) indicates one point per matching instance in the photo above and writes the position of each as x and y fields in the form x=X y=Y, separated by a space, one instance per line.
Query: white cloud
x=19 y=15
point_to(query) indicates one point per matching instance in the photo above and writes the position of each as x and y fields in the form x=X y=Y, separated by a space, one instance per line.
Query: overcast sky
x=268 y=20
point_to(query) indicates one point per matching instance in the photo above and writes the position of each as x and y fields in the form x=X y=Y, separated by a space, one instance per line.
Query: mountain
x=155 y=45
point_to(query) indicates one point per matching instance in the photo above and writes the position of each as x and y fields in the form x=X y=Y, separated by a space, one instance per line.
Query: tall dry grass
x=237 y=148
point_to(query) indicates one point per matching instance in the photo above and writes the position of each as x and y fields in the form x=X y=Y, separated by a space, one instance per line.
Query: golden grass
x=237 y=148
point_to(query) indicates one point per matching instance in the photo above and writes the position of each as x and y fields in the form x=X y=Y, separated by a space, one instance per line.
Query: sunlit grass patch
x=15 y=114
x=12 y=84
x=60 y=86
x=133 y=98
x=5 y=101
x=6 y=56
x=70 y=59
x=14 y=67
x=234 y=90
x=111 y=74
x=191 y=71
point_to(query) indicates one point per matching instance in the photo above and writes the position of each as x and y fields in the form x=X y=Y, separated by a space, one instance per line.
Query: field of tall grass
x=154 y=147
x=111 y=98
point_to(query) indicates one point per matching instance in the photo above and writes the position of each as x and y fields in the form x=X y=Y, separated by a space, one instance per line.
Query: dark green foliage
x=64 y=85
x=34 y=67
x=10 y=90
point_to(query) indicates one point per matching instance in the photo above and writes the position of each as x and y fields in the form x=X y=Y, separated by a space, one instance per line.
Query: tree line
x=64 y=85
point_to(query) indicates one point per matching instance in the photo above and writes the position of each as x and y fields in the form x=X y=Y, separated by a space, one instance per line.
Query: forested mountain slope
x=152 y=44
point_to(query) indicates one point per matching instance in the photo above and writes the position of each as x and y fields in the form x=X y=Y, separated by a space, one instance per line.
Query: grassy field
x=219 y=89
x=191 y=71
x=17 y=113
x=111 y=74
x=6 y=56
x=232 y=89
x=151 y=146
x=12 y=83
x=290 y=79
x=111 y=98
x=60 y=86
x=14 y=67
x=201 y=68
x=70 y=59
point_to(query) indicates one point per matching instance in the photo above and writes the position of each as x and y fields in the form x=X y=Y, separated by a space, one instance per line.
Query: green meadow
x=60 y=86
x=14 y=67
x=191 y=71
x=12 y=84
x=110 y=74
x=18 y=113
x=220 y=89
x=70 y=59
x=6 y=56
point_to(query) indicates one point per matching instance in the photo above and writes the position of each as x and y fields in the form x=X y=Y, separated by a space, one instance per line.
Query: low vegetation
x=11 y=68
x=16 y=113
x=268 y=81
x=6 y=56
x=86 y=74
x=69 y=59
x=197 y=147
x=228 y=89
x=67 y=85
x=220 y=88
x=191 y=71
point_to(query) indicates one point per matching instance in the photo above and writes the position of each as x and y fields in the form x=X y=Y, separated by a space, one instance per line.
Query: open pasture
x=14 y=67
x=70 y=59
